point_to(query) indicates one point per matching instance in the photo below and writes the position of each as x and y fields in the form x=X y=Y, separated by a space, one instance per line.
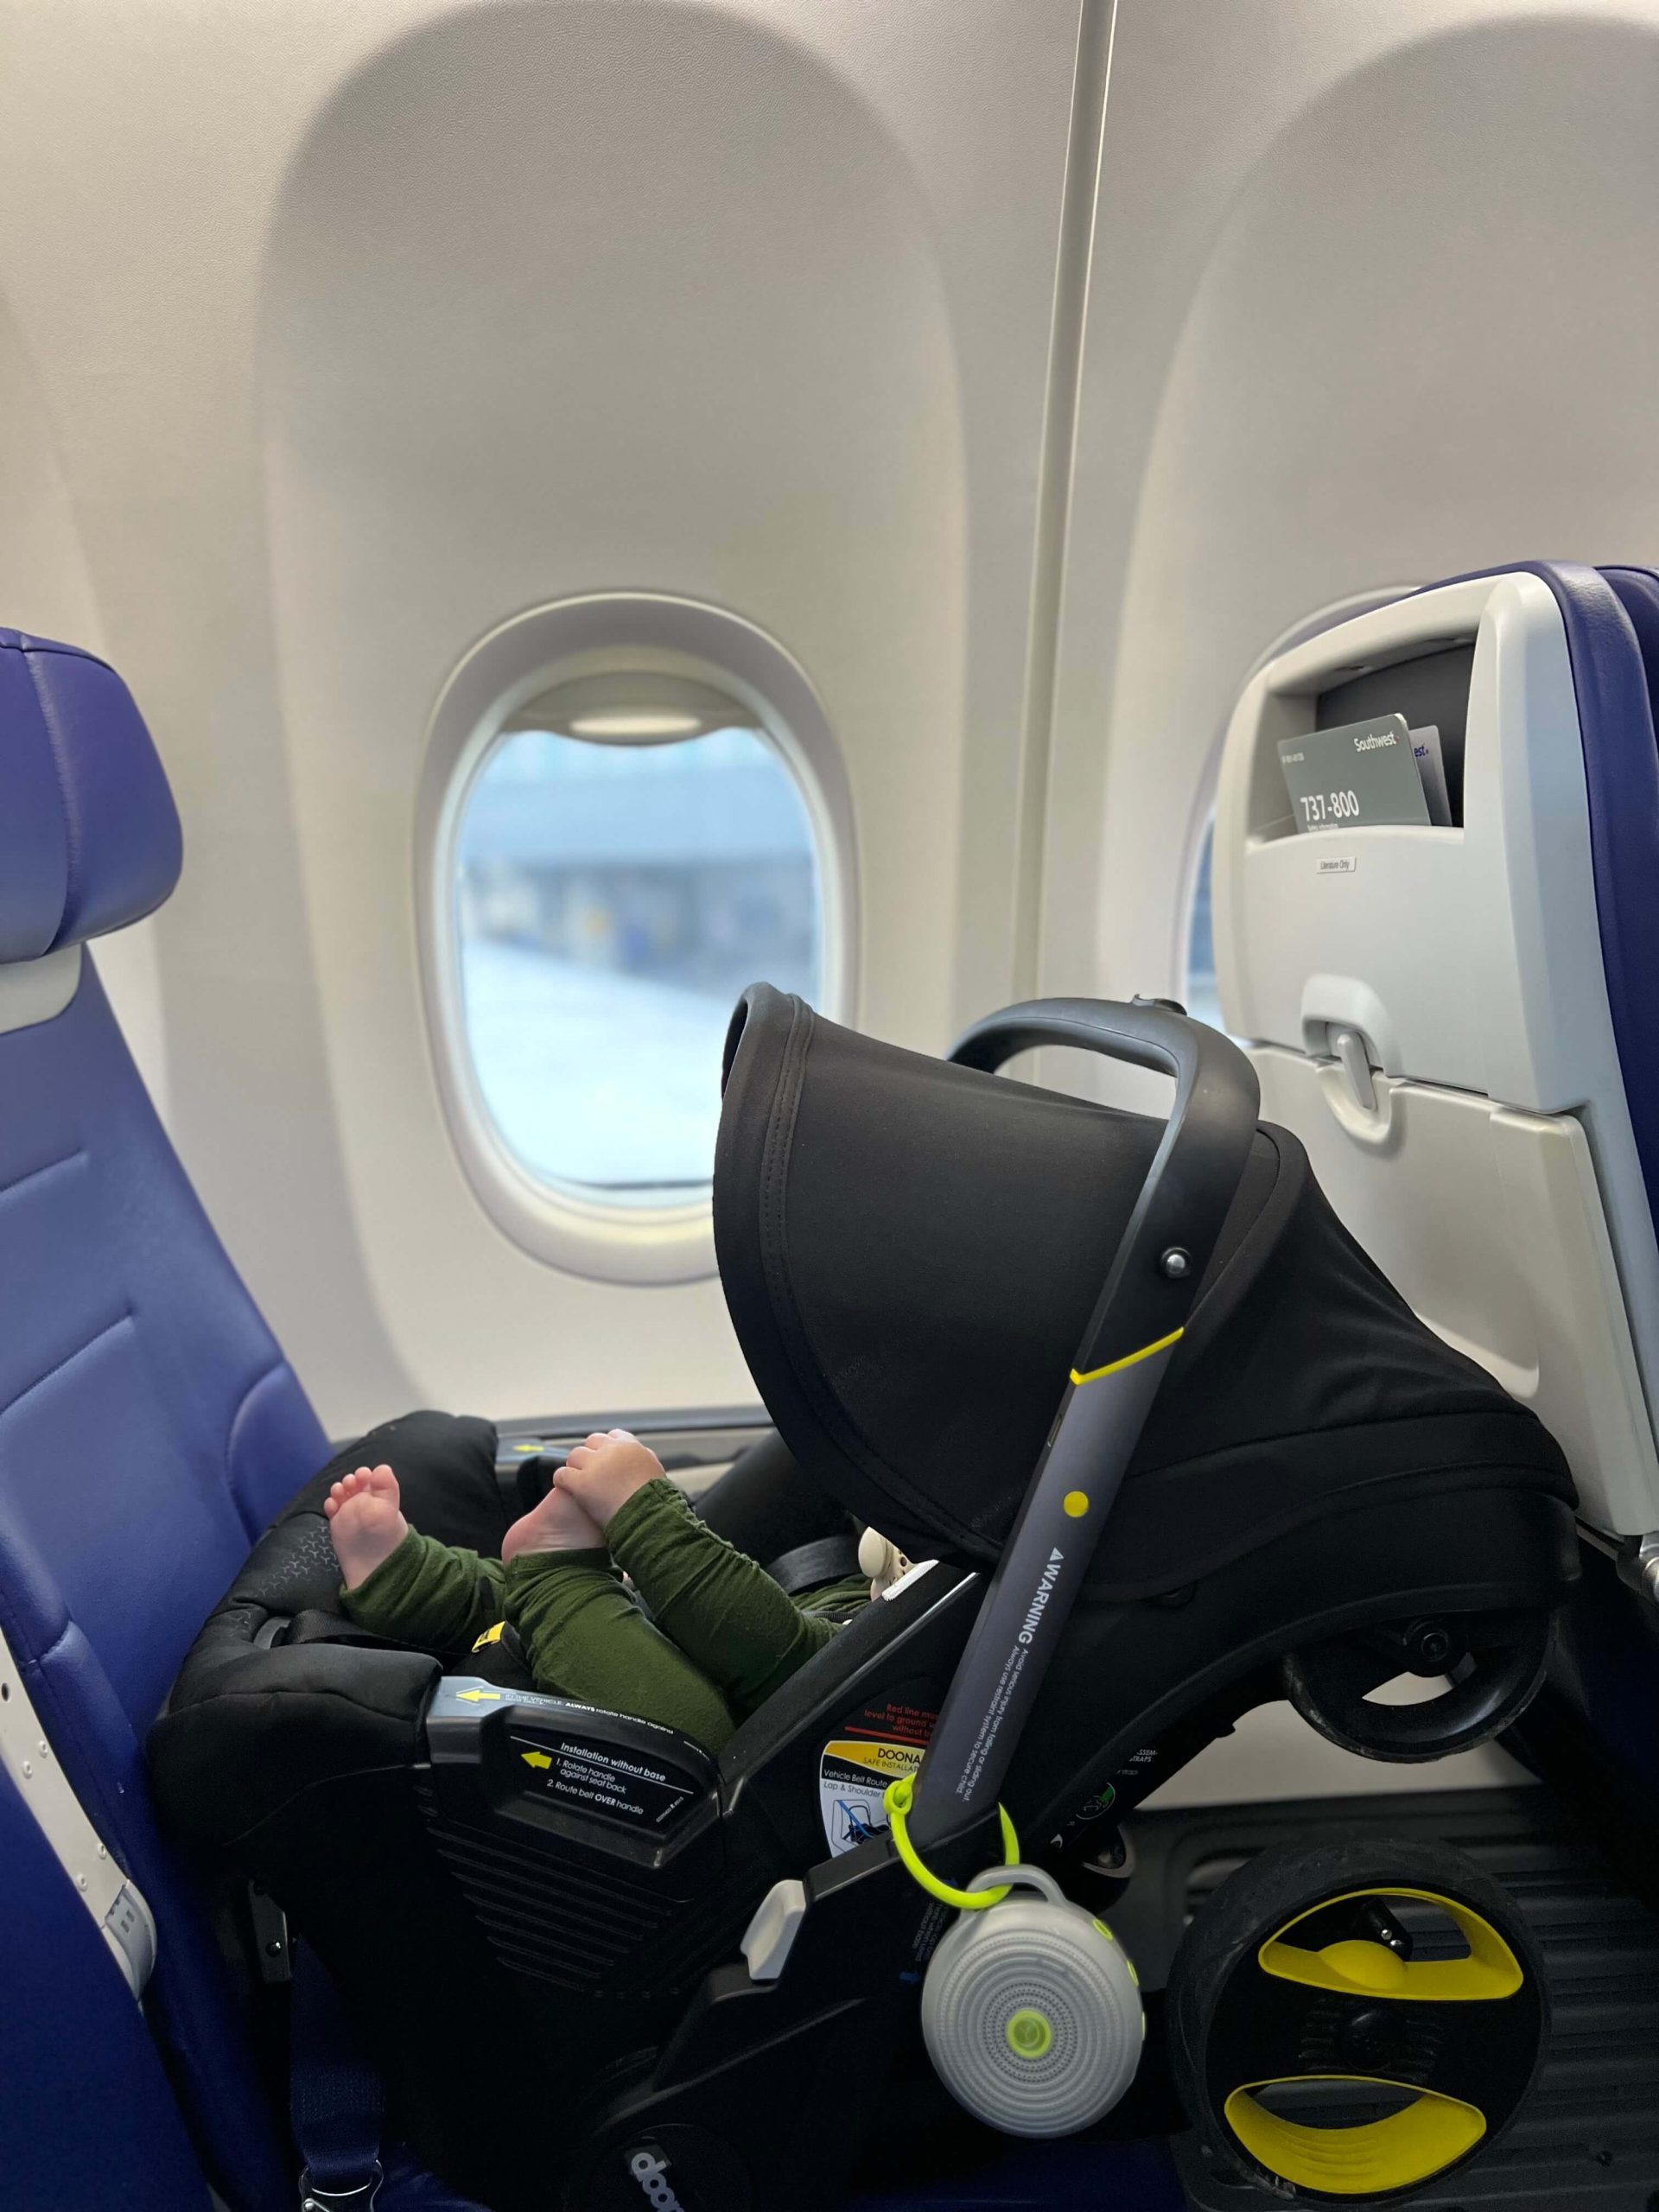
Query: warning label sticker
x=853 y=1773
x=600 y=1779
x=894 y=1718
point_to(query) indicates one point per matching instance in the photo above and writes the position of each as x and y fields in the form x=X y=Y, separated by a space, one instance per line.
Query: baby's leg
x=365 y=1521
x=401 y=1584
x=557 y=1524
x=445 y=1465
x=587 y=1639
x=722 y=1610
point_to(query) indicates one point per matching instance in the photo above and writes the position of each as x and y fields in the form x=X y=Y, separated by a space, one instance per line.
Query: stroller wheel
x=1353 y=2021
x=1492 y=1663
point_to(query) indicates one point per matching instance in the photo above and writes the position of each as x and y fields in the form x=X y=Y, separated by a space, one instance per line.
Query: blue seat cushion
x=87 y=2120
x=150 y=1427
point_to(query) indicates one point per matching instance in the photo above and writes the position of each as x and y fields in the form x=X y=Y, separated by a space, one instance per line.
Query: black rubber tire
x=1468 y=1714
x=1276 y=1887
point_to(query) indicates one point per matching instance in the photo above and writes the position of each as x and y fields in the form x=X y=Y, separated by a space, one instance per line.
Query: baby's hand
x=603 y=1473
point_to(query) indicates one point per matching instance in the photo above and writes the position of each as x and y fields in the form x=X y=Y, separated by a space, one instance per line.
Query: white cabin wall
x=363 y=329
x=332 y=337
x=1372 y=303
x=46 y=589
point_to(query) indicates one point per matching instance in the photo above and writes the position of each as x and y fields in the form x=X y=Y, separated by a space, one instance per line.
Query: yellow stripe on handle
x=1113 y=1366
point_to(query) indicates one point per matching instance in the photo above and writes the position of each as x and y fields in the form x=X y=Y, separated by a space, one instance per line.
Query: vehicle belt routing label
x=853 y=1773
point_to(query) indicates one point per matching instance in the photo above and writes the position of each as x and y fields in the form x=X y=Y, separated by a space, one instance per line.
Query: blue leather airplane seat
x=1614 y=687
x=86 y=2124
x=1608 y=1667
x=149 y=1425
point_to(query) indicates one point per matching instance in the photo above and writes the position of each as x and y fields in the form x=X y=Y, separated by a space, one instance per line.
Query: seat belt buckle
x=361 y=2197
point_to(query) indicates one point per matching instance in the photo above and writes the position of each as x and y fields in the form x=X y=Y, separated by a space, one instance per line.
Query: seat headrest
x=89 y=836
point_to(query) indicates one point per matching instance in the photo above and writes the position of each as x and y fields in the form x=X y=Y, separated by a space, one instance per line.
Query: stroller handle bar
x=1141 y=1312
x=1194 y=1176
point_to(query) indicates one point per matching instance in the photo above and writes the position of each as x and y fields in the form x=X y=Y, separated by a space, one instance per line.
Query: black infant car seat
x=1263 y=1476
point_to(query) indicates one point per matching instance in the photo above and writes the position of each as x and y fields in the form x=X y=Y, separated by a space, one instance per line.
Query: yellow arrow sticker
x=535 y=1758
x=478 y=1697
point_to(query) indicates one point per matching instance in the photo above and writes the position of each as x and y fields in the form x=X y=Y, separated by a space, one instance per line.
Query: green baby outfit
x=714 y=1638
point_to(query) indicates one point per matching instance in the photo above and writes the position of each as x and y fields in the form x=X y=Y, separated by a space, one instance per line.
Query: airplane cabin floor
x=1588 y=2140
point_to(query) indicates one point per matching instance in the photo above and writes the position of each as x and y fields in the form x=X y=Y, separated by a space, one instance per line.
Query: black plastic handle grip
x=1195 y=1173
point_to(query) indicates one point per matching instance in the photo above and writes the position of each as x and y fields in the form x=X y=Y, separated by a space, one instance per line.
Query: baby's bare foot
x=557 y=1524
x=603 y=1473
x=365 y=1521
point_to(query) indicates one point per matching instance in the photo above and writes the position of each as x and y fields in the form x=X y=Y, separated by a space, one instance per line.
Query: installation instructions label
x=600 y=1779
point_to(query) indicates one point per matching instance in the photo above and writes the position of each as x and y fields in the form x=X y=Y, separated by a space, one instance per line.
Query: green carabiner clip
x=897 y=1801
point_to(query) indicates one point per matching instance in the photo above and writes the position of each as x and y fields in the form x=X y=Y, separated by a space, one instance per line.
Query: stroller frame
x=1114 y=1379
x=699 y=2100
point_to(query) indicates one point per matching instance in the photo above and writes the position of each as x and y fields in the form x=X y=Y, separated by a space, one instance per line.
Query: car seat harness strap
x=809 y=1567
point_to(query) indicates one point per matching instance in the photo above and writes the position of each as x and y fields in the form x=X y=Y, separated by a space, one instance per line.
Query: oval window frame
x=608 y=634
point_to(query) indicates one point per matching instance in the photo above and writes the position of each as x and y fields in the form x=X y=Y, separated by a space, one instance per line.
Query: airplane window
x=1200 y=997
x=627 y=861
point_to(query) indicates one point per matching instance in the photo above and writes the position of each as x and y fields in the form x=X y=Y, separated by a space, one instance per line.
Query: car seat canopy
x=911 y=1252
